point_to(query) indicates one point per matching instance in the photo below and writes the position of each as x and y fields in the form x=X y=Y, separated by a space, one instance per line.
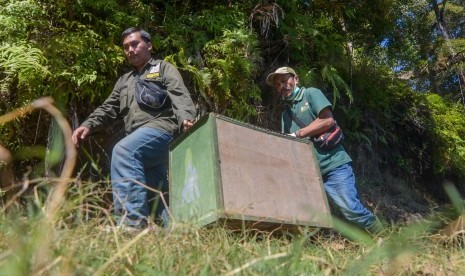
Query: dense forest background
x=393 y=69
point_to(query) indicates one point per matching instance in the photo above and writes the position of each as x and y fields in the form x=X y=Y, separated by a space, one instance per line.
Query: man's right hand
x=79 y=133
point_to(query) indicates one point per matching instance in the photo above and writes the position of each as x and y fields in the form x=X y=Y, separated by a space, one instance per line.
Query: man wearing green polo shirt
x=311 y=107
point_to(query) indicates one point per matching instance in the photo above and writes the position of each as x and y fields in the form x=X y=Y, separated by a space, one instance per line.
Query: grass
x=77 y=244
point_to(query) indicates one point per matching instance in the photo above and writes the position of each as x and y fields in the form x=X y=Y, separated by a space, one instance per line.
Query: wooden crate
x=234 y=173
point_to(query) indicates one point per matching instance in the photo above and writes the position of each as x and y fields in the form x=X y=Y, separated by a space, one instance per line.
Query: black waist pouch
x=151 y=95
x=330 y=139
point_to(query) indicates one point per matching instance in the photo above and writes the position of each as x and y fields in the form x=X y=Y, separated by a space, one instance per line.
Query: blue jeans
x=340 y=188
x=141 y=156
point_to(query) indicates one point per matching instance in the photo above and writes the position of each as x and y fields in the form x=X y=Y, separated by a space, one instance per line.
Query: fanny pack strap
x=294 y=118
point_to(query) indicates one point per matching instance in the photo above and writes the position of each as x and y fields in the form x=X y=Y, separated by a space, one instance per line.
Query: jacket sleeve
x=106 y=114
x=183 y=107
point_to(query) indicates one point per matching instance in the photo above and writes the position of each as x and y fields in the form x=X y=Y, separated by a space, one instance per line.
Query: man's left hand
x=186 y=125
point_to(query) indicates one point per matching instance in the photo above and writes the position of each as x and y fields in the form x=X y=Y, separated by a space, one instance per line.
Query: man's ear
x=296 y=79
x=149 y=44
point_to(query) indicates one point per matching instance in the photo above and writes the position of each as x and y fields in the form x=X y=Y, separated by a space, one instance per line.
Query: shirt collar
x=298 y=97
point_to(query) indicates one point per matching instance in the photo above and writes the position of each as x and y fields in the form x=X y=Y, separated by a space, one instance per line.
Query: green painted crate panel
x=194 y=177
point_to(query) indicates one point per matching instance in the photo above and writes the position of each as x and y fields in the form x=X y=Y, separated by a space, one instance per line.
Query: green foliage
x=426 y=46
x=24 y=64
x=192 y=31
x=331 y=76
x=413 y=134
x=21 y=60
x=449 y=135
x=222 y=55
x=17 y=19
x=65 y=49
x=457 y=201
x=85 y=59
x=233 y=62
x=79 y=41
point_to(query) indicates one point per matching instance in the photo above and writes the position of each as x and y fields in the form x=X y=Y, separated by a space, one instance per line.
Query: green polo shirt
x=307 y=104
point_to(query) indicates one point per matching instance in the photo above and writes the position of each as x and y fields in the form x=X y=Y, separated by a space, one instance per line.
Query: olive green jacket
x=121 y=104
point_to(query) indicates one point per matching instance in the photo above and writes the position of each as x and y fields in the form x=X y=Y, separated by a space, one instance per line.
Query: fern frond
x=22 y=60
x=337 y=83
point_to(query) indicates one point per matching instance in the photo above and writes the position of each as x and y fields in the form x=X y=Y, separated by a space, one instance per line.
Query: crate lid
x=207 y=116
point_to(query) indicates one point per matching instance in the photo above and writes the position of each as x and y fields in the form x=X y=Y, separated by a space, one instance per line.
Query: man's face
x=137 y=51
x=285 y=84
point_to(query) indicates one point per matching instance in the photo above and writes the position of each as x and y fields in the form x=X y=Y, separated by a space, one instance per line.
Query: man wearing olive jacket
x=155 y=106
